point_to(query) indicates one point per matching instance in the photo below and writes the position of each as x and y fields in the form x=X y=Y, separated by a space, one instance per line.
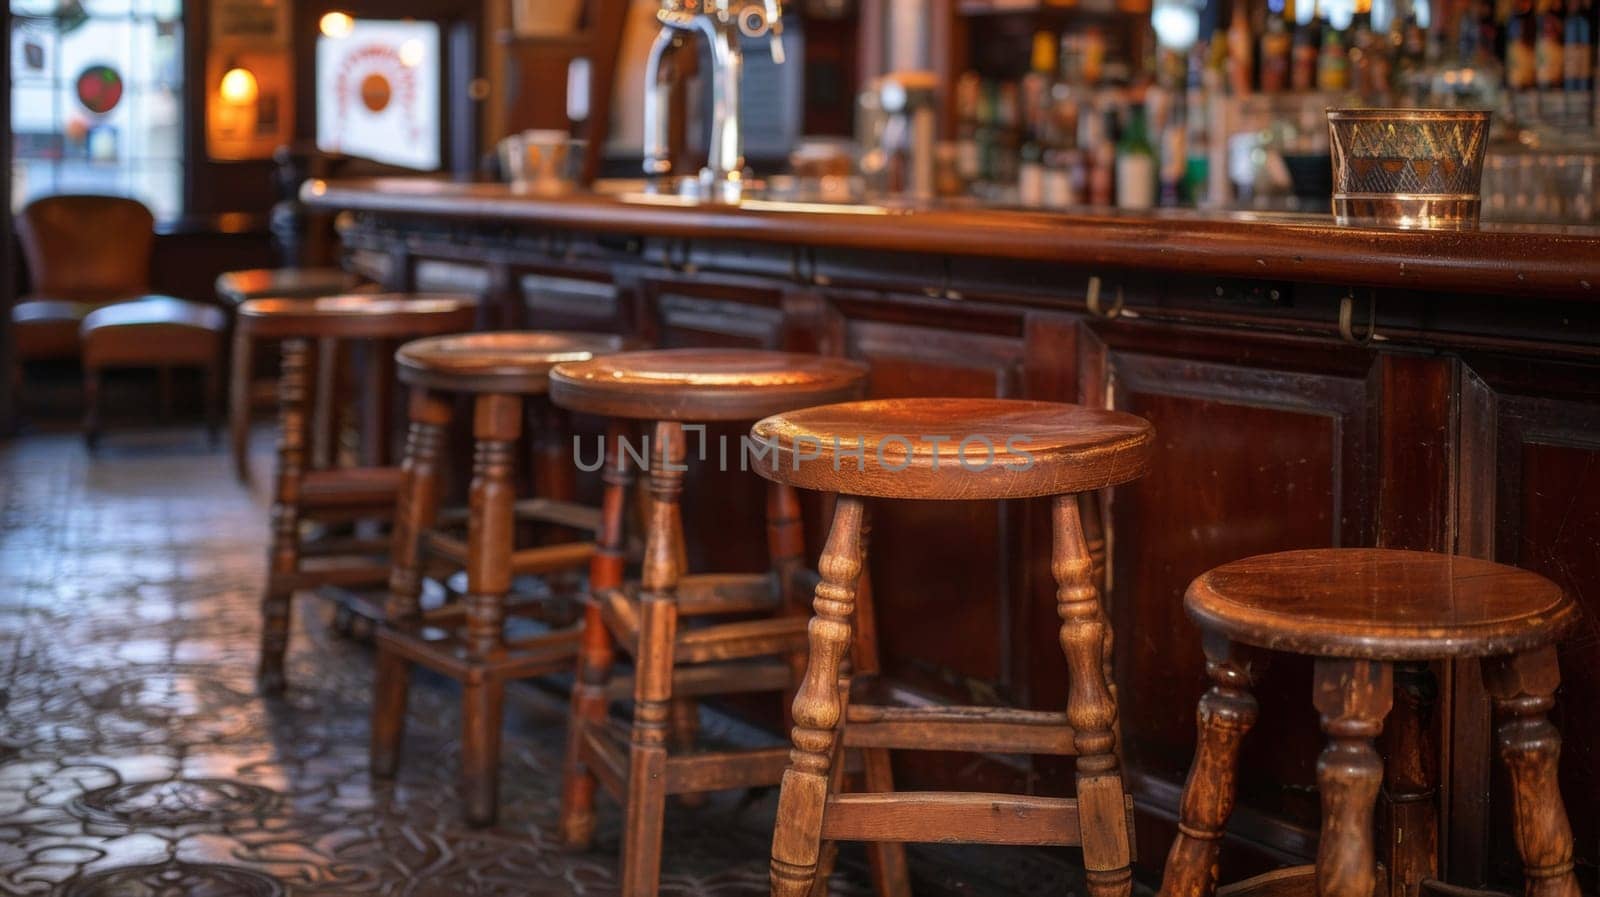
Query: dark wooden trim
x=1553 y=262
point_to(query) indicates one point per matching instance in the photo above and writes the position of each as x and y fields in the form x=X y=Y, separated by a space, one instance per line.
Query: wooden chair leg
x=482 y=708
x=284 y=560
x=239 y=380
x=417 y=507
x=797 y=837
x=1091 y=708
x=391 y=683
x=325 y=426
x=1226 y=713
x=786 y=554
x=652 y=696
x=890 y=875
x=1523 y=689
x=596 y=653
x=1353 y=697
x=497 y=423
x=377 y=421
x=1408 y=814
x=828 y=854
x=91 y=407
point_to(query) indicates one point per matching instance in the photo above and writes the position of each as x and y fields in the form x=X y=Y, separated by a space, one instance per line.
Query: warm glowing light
x=411 y=53
x=336 y=24
x=239 y=86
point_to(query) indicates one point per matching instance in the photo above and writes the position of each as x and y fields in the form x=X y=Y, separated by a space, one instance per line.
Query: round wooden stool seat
x=1380 y=604
x=704 y=384
x=511 y=363
x=238 y=287
x=375 y=316
x=953 y=448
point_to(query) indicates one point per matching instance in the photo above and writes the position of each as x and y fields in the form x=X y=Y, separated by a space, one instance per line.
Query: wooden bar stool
x=1358 y=612
x=235 y=288
x=995 y=449
x=673 y=660
x=303 y=491
x=467 y=641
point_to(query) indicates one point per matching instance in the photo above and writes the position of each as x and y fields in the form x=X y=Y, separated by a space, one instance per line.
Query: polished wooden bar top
x=1528 y=260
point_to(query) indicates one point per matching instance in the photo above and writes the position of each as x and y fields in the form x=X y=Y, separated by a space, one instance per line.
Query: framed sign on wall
x=378 y=92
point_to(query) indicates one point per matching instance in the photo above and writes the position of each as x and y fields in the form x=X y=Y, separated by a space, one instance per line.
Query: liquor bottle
x=1037 y=98
x=1174 y=162
x=1276 y=44
x=1197 y=141
x=1061 y=165
x=969 y=100
x=1521 y=67
x=1136 y=163
x=1307 y=46
x=1359 y=49
x=1099 y=155
x=1578 y=63
x=1333 y=66
x=1241 y=51
x=1004 y=156
x=1549 y=69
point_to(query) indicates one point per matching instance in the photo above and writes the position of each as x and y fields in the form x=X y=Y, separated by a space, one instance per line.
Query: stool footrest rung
x=538 y=510
x=551 y=558
x=980 y=730
x=1293 y=881
x=704 y=594
x=734 y=641
x=726 y=770
x=952 y=817
x=732 y=678
x=542 y=559
x=607 y=758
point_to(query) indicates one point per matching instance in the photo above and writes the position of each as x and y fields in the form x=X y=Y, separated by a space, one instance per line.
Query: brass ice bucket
x=1416 y=168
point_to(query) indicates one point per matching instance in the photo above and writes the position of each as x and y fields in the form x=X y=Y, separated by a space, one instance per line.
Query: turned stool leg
x=1085 y=631
x=415 y=511
x=1408 y=817
x=797 y=838
x=890 y=876
x=285 y=552
x=595 y=654
x=497 y=422
x=652 y=692
x=239 y=409
x=1353 y=697
x=1523 y=688
x=1226 y=713
x=325 y=421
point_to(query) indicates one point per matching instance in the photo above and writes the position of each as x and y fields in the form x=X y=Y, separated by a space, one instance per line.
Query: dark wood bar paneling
x=1457 y=410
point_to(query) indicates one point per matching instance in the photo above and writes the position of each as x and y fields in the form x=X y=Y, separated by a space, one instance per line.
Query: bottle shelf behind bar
x=1237 y=119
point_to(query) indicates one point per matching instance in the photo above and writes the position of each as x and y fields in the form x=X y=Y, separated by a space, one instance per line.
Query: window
x=378 y=90
x=97 y=100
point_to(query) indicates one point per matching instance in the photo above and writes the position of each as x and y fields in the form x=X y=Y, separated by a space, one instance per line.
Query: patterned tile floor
x=136 y=760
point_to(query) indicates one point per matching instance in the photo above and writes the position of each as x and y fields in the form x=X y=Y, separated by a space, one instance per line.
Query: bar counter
x=1510 y=259
x=1310 y=385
